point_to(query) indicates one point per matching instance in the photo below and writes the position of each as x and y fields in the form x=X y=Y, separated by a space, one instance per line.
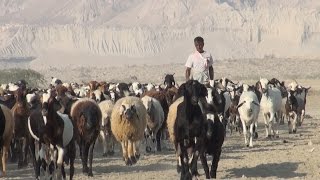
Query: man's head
x=199 y=43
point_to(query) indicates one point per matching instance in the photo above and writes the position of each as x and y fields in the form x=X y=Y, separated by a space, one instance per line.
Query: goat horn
x=241 y=104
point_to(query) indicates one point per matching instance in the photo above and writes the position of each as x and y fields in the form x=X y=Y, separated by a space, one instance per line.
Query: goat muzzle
x=194 y=100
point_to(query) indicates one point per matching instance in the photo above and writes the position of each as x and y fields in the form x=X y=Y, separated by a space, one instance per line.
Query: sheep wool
x=128 y=129
x=172 y=116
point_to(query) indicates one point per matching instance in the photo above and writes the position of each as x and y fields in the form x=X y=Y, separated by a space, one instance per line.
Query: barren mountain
x=158 y=30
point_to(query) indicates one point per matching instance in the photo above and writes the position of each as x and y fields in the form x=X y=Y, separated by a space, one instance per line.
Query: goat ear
x=241 y=104
x=203 y=91
x=122 y=109
x=182 y=89
x=133 y=108
x=255 y=103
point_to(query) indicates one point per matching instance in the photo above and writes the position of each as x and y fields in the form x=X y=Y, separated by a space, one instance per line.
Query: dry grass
x=34 y=79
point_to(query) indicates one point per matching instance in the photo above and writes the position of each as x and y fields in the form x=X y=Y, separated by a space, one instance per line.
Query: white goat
x=249 y=109
x=150 y=86
x=137 y=88
x=270 y=106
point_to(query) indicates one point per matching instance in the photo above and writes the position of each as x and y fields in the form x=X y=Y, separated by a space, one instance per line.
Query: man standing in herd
x=201 y=61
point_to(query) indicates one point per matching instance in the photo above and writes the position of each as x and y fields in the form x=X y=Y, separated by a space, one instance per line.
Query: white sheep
x=106 y=135
x=154 y=122
x=248 y=108
x=128 y=122
x=270 y=106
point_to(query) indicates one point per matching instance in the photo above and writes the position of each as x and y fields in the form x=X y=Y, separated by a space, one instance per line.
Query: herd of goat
x=45 y=125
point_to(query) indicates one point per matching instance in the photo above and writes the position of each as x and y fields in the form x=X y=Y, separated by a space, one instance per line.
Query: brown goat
x=21 y=112
x=6 y=133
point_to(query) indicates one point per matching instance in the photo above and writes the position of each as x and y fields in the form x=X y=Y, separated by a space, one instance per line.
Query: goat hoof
x=128 y=162
x=159 y=148
x=137 y=155
x=90 y=174
x=20 y=165
x=276 y=136
x=105 y=155
x=148 y=149
x=110 y=153
x=213 y=174
x=294 y=131
x=187 y=176
x=178 y=168
x=85 y=170
x=133 y=160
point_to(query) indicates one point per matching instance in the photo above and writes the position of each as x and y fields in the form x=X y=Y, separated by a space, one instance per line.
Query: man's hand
x=188 y=72
x=211 y=73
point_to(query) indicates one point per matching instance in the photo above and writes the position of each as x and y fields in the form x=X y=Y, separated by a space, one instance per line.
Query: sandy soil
x=268 y=159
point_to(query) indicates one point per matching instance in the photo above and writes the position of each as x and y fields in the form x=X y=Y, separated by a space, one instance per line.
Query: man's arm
x=188 y=72
x=211 y=73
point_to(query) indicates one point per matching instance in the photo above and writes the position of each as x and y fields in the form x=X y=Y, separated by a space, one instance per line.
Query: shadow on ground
x=275 y=170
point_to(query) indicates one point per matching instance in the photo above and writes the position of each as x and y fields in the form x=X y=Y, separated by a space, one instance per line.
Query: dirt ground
x=298 y=157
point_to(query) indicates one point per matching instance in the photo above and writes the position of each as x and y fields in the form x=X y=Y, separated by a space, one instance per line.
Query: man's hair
x=199 y=39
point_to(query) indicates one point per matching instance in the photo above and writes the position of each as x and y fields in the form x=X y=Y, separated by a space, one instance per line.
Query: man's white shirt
x=200 y=64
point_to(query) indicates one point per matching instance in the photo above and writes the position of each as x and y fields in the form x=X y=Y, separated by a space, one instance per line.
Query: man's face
x=199 y=46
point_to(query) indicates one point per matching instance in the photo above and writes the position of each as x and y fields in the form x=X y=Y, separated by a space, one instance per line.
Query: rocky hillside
x=145 y=29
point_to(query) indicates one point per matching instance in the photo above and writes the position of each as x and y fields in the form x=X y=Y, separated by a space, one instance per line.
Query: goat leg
x=204 y=163
x=90 y=159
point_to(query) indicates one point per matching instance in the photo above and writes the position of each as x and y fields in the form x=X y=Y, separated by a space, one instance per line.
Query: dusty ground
x=268 y=159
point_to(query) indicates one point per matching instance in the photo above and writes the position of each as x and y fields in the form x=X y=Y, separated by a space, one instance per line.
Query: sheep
x=248 y=109
x=270 y=104
x=105 y=132
x=165 y=99
x=128 y=122
x=154 y=123
x=86 y=116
